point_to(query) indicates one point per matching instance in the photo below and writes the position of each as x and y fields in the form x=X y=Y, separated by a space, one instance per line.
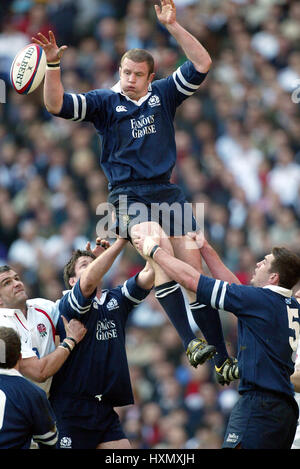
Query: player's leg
x=142 y=204
x=170 y=296
x=167 y=292
x=208 y=323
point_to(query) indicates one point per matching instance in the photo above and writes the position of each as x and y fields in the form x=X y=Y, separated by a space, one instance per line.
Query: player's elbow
x=36 y=373
x=87 y=287
x=53 y=109
x=34 y=368
x=42 y=377
x=205 y=65
x=208 y=62
x=42 y=373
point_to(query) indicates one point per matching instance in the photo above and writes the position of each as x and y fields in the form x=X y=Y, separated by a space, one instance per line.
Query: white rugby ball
x=28 y=69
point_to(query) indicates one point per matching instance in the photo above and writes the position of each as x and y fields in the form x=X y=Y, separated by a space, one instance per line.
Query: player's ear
x=72 y=281
x=274 y=278
x=151 y=77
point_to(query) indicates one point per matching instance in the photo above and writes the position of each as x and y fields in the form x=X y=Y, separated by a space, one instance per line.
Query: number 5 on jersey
x=293 y=315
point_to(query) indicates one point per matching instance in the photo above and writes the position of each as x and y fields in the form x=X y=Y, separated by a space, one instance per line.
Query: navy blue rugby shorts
x=163 y=203
x=262 y=420
x=85 y=422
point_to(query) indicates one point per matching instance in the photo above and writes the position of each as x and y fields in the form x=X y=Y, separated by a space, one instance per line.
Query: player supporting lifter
x=266 y=414
x=135 y=122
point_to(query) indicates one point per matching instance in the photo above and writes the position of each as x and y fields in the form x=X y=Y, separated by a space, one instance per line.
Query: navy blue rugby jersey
x=137 y=137
x=98 y=364
x=25 y=413
x=268 y=330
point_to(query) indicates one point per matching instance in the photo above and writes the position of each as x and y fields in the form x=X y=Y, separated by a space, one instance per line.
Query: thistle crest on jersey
x=154 y=101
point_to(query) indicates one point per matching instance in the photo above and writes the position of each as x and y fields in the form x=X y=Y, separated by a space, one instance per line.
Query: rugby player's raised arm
x=40 y=369
x=213 y=261
x=176 y=269
x=193 y=49
x=92 y=275
x=53 y=88
x=145 y=279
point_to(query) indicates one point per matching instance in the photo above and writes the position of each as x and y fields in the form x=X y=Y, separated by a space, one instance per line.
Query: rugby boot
x=228 y=372
x=199 y=351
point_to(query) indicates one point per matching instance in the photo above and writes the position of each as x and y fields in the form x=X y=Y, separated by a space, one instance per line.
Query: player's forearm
x=145 y=278
x=192 y=48
x=93 y=274
x=53 y=91
x=216 y=266
x=39 y=370
x=177 y=270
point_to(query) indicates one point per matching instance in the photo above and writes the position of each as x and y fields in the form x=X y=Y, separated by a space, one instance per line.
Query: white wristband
x=149 y=244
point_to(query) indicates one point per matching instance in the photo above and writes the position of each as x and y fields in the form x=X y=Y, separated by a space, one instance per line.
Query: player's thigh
x=153 y=229
x=186 y=250
x=117 y=444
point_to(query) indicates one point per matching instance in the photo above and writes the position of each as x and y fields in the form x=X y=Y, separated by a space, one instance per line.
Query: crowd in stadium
x=238 y=153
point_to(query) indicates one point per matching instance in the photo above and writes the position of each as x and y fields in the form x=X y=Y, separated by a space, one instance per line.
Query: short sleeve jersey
x=98 y=364
x=137 y=137
x=37 y=331
x=268 y=330
x=25 y=413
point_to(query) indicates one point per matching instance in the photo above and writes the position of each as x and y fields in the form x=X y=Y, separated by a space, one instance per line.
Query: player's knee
x=148 y=228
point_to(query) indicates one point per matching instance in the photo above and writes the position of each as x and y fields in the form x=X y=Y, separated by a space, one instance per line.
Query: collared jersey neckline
x=282 y=291
x=117 y=89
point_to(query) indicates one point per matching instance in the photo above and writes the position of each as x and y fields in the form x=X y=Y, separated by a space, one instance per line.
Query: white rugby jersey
x=37 y=331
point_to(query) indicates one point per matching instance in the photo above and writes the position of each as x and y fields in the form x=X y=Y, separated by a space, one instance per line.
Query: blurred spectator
x=284 y=178
x=9 y=231
x=58 y=248
x=11 y=41
x=35 y=20
x=28 y=248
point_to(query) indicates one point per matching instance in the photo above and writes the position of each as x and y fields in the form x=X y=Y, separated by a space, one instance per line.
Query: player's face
x=262 y=275
x=135 y=78
x=82 y=263
x=12 y=290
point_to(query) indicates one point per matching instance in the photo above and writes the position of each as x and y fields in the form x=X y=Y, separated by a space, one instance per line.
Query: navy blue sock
x=209 y=322
x=171 y=299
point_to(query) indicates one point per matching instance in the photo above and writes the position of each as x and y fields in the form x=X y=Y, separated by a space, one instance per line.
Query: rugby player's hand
x=74 y=329
x=145 y=244
x=198 y=237
x=166 y=12
x=100 y=247
x=52 y=51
